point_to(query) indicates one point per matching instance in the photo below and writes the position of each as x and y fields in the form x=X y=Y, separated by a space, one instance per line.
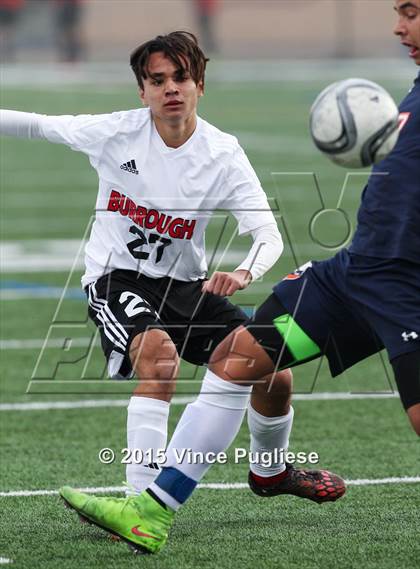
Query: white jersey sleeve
x=266 y=249
x=246 y=199
x=84 y=133
x=17 y=123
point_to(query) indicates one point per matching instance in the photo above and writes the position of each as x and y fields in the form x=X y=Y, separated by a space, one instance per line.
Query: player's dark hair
x=180 y=47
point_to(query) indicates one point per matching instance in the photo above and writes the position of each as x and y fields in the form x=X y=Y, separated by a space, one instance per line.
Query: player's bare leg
x=155 y=361
x=413 y=413
x=240 y=359
x=271 y=396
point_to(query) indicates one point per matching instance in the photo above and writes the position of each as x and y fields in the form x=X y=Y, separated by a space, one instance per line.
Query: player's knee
x=413 y=413
x=278 y=385
x=154 y=355
x=284 y=380
x=239 y=358
x=416 y=427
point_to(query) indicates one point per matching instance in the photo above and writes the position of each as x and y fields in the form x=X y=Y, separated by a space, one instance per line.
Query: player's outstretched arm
x=266 y=249
x=20 y=124
x=84 y=133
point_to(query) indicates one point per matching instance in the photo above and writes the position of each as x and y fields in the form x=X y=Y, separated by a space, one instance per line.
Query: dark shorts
x=123 y=304
x=348 y=308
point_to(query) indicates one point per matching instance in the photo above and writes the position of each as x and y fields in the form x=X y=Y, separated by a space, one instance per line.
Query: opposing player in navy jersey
x=348 y=307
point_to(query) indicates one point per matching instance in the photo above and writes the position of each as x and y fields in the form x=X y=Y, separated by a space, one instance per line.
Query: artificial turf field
x=47 y=197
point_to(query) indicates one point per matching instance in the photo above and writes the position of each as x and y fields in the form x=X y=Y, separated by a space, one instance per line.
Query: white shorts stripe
x=94 y=301
x=105 y=315
x=107 y=311
x=100 y=304
x=95 y=305
x=109 y=330
x=95 y=295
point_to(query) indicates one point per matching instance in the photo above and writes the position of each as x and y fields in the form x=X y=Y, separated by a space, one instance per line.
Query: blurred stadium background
x=107 y=29
x=269 y=59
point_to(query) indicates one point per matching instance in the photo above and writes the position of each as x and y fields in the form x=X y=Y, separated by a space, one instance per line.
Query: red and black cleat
x=317 y=485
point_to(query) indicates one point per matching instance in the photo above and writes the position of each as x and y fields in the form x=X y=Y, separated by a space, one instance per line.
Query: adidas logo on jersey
x=130 y=166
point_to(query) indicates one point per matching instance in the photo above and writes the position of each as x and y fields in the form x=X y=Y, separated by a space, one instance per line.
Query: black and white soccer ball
x=354 y=122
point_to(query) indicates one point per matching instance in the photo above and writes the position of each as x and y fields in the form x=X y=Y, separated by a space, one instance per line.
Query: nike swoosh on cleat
x=141 y=533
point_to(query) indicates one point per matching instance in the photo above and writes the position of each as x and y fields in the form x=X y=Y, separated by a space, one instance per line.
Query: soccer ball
x=354 y=122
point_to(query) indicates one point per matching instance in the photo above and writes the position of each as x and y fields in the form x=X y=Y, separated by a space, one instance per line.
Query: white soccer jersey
x=154 y=202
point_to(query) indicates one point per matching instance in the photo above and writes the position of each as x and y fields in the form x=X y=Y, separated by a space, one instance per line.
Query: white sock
x=147 y=428
x=210 y=424
x=268 y=434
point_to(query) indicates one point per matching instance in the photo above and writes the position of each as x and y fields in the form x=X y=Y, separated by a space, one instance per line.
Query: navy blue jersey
x=389 y=215
x=352 y=306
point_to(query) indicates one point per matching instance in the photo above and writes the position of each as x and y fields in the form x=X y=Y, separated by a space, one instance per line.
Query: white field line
x=110 y=75
x=5 y=560
x=56 y=255
x=276 y=144
x=208 y=486
x=50 y=292
x=83 y=404
x=177 y=400
x=35 y=344
x=38 y=293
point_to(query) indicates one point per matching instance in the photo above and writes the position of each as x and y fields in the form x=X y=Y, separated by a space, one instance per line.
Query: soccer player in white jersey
x=373 y=287
x=162 y=172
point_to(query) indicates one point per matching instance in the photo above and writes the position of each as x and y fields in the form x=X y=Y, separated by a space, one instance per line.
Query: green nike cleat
x=139 y=520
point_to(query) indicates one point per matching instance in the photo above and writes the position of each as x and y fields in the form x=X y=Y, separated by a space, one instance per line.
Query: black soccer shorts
x=123 y=304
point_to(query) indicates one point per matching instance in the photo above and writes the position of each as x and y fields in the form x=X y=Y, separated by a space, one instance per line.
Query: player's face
x=171 y=93
x=408 y=26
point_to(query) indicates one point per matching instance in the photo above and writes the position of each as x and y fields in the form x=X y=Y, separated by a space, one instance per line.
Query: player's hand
x=226 y=284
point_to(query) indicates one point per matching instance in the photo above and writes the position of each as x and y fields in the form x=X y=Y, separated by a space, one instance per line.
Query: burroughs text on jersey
x=175 y=227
